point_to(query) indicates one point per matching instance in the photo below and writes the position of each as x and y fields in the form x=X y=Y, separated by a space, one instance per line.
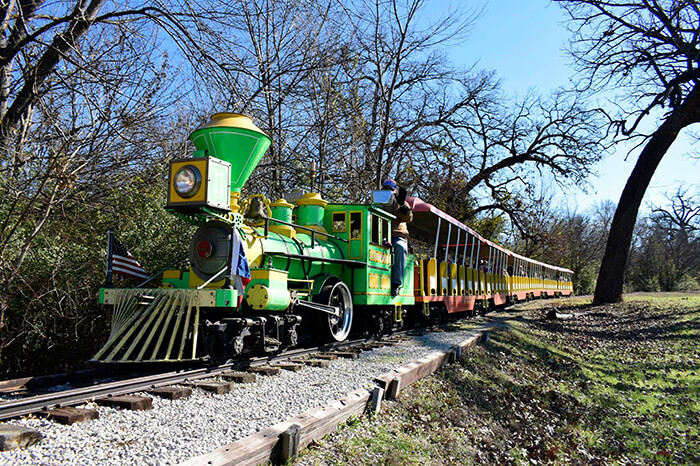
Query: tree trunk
x=612 y=270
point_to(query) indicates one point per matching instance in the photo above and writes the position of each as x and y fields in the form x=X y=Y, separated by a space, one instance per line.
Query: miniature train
x=315 y=269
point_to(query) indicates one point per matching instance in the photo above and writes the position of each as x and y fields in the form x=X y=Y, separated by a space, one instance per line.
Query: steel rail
x=32 y=404
x=28 y=405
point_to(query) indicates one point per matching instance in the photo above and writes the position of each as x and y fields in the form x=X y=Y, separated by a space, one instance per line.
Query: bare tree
x=679 y=225
x=451 y=135
x=325 y=132
x=581 y=241
x=63 y=133
x=511 y=146
x=665 y=254
x=266 y=55
x=571 y=239
x=82 y=84
x=289 y=41
x=649 y=50
x=402 y=89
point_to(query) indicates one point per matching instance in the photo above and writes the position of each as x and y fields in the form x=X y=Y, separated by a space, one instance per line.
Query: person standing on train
x=399 y=232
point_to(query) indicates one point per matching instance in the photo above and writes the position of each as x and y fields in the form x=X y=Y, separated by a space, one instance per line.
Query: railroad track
x=178 y=417
x=71 y=397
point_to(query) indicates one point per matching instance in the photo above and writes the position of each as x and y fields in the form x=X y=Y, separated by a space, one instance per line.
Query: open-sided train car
x=262 y=273
x=467 y=272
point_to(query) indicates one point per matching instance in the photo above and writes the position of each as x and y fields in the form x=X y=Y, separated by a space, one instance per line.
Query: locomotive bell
x=256 y=210
x=208 y=251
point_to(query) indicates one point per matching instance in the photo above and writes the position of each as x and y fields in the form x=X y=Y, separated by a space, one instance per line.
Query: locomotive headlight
x=197 y=182
x=187 y=181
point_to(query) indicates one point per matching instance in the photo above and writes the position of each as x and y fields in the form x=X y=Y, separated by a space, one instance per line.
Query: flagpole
x=231 y=255
x=110 y=235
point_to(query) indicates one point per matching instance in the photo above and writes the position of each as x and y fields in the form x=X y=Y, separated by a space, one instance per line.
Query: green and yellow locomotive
x=259 y=271
x=263 y=273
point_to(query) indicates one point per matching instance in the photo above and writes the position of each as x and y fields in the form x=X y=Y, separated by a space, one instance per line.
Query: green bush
x=687 y=283
x=54 y=322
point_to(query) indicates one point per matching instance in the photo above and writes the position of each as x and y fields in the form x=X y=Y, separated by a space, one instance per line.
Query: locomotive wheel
x=336 y=295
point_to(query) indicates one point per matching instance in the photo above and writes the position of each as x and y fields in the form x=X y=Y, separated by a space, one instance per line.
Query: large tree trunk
x=612 y=270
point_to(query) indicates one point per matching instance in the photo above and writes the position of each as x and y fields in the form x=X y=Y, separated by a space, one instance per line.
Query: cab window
x=356 y=225
x=339 y=223
x=376 y=230
x=380 y=230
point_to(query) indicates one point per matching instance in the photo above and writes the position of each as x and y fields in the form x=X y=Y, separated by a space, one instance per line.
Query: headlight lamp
x=187 y=181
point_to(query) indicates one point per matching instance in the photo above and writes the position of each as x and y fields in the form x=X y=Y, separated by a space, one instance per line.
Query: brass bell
x=256 y=210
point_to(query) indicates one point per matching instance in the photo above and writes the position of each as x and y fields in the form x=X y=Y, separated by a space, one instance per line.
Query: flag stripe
x=121 y=267
x=128 y=267
x=128 y=273
x=124 y=263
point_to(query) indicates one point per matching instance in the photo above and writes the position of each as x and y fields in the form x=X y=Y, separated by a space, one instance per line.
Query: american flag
x=124 y=264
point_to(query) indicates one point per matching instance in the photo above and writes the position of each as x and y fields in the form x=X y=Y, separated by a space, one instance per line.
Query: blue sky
x=524 y=42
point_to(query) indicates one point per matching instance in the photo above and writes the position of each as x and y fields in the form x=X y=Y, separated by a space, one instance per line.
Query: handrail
x=348 y=262
x=302 y=227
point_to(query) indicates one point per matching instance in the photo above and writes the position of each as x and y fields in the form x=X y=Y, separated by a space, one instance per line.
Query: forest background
x=96 y=97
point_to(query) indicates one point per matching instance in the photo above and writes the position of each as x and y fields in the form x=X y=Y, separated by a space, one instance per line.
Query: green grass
x=612 y=385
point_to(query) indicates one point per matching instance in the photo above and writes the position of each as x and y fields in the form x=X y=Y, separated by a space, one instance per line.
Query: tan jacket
x=403 y=217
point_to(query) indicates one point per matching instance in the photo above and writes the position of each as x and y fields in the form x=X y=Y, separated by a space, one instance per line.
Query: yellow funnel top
x=231 y=120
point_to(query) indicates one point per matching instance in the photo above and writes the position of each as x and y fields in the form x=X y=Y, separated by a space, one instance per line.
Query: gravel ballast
x=175 y=431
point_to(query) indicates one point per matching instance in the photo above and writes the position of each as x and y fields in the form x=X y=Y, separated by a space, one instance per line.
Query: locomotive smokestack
x=233 y=138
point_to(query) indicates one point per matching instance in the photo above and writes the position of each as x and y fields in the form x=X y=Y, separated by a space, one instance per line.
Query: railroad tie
x=130 y=402
x=265 y=370
x=69 y=415
x=172 y=393
x=288 y=366
x=218 y=388
x=239 y=377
